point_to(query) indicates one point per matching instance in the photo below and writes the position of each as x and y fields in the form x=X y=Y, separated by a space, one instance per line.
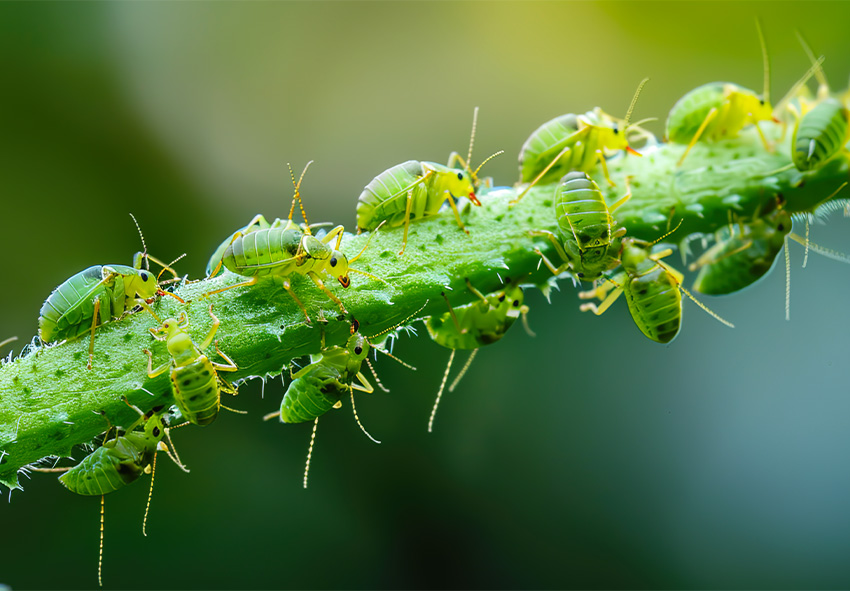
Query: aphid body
x=119 y=461
x=414 y=189
x=821 y=133
x=591 y=237
x=653 y=292
x=744 y=255
x=194 y=382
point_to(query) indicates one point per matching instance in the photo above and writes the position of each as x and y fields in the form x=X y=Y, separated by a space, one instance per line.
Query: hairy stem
x=49 y=401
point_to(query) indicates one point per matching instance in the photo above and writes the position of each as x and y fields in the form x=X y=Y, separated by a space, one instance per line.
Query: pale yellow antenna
x=440 y=391
x=297 y=196
x=634 y=102
x=472 y=138
x=823 y=85
x=375 y=375
x=356 y=418
x=463 y=370
x=765 y=61
x=787 y=281
x=100 y=553
x=310 y=450
x=150 y=494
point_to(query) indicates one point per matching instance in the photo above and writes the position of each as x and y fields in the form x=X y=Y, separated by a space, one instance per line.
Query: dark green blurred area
x=586 y=457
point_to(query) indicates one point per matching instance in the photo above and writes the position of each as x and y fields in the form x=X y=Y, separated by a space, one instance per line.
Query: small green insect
x=119 y=462
x=653 y=292
x=194 y=382
x=474 y=325
x=720 y=110
x=414 y=189
x=592 y=238
x=101 y=292
x=574 y=143
x=285 y=250
x=214 y=266
x=743 y=254
x=319 y=386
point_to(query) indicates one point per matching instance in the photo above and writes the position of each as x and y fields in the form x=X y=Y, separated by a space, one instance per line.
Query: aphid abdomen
x=689 y=112
x=385 y=197
x=581 y=211
x=68 y=310
x=196 y=391
x=822 y=132
x=308 y=397
x=733 y=272
x=261 y=247
x=543 y=145
x=108 y=468
x=655 y=304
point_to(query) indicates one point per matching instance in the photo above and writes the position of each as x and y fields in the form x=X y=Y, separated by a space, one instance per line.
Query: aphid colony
x=589 y=244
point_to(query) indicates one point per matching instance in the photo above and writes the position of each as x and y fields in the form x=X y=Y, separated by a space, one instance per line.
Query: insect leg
x=252 y=281
x=541 y=175
x=598 y=310
x=288 y=287
x=335 y=233
x=407 y=208
x=328 y=292
x=356 y=418
x=221 y=366
x=150 y=494
x=600 y=155
x=93 y=326
x=211 y=335
x=708 y=119
x=152 y=373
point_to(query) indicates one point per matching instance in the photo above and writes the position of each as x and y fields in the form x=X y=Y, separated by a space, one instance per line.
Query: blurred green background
x=585 y=457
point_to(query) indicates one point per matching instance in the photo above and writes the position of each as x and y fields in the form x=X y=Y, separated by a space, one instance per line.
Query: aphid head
x=460 y=184
x=358 y=348
x=783 y=222
x=154 y=427
x=144 y=284
x=337 y=266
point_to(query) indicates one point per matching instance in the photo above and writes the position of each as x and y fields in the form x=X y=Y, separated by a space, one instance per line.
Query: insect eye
x=358 y=350
x=781 y=227
x=516 y=303
x=460 y=176
x=761 y=102
x=580 y=274
x=333 y=261
x=144 y=276
x=156 y=431
x=502 y=298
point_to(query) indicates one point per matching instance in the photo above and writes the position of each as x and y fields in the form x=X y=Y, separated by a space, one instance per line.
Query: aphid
x=720 y=110
x=415 y=189
x=653 y=292
x=319 y=386
x=258 y=222
x=194 y=382
x=474 y=325
x=573 y=142
x=743 y=256
x=591 y=236
x=284 y=250
x=101 y=292
x=119 y=462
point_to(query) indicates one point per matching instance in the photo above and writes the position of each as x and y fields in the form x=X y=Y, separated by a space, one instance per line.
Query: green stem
x=48 y=398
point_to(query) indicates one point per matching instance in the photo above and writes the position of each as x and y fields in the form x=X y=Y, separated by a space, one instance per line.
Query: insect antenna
x=678 y=278
x=440 y=391
x=271 y=415
x=144 y=246
x=234 y=410
x=297 y=196
x=463 y=370
x=377 y=379
x=633 y=103
x=169 y=269
x=486 y=160
x=310 y=450
x=394 y=358
x=100 y=553
x=787 y=281
x=356 y=418
x=150 y=494
x=472 y=140
x=7 y=341
x=792 y=92
x=452 y=312
x=395 y=326
x=663 y=236
x=765 y=61
x=173 y=449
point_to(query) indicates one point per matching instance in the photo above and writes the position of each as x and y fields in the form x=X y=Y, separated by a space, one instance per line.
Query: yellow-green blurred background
x=585 y=457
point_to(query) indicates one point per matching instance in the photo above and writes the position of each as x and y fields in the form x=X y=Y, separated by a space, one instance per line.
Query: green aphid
x=194 y=382
x=414 y=189
x=471 y=326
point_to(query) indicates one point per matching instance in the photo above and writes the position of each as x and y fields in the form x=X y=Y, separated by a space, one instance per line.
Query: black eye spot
x=156 y=431
x=502 y=298
x=781 y=227
x=460 y=176
x=761 y=102
x=516 y=303
x=333 y=261
x=580 y=274
x=358 y=350
x=144 y=276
